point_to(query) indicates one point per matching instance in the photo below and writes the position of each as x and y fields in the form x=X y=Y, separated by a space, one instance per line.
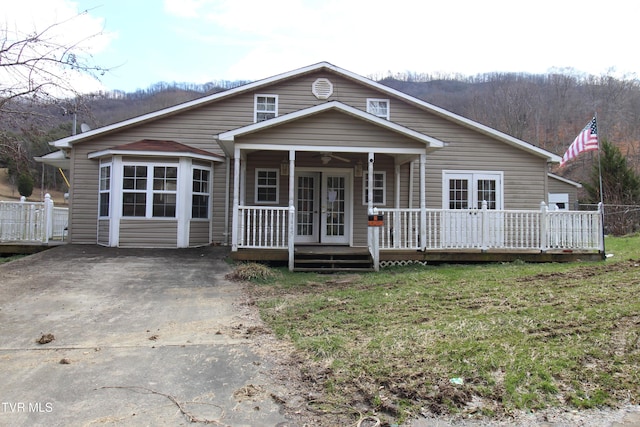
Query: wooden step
x=332 y=259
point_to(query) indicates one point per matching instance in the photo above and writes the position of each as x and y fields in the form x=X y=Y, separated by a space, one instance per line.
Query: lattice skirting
x=401 y=263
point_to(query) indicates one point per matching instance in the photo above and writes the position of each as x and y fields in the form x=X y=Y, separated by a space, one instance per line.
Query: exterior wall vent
x=322 y=88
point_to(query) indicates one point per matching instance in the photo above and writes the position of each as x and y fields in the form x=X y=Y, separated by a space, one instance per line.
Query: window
x=200 y=194
x=105 y=190
x=267 y=185
x=378 y=107
x=165 y=185
x=266 y=107
x=134 y=191
x=379 y=188
x=149 y=191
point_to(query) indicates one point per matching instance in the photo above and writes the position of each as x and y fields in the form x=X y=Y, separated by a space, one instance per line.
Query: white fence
x=32 y=222
x=492 y=229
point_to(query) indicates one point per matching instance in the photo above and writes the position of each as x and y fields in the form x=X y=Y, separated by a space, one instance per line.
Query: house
x=316 y=163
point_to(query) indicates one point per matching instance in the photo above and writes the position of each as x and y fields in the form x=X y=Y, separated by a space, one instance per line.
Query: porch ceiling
x=227 y=140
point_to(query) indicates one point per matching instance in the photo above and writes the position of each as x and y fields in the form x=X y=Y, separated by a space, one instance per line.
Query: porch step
x=332 y=260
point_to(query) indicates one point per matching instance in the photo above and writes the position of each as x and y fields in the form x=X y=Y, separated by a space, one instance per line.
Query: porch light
x=284 y=168
x=357 y=169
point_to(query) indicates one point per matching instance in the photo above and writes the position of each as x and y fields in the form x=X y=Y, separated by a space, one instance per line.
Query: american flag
x=587 y=140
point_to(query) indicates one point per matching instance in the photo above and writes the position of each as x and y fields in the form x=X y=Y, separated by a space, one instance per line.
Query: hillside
x=8 y=191
x=547 y=111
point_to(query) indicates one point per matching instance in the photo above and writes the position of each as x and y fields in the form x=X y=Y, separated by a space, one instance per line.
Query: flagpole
x=604 y=254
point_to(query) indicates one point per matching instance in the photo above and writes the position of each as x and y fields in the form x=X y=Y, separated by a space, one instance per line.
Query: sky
x=199 y=41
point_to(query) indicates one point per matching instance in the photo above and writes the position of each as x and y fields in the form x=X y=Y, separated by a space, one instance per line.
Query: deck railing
x=486 y=229
x=263 y=227
x=32 y=222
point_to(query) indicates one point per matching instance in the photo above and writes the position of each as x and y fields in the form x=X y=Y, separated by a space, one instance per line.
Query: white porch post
x=423 y=202
x=48 y=218
x=292 y=208
x=236 y=199
x=396 y=216
x=374 y=232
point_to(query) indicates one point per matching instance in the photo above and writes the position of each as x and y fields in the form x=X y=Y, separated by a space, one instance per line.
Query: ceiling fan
x=326 y=157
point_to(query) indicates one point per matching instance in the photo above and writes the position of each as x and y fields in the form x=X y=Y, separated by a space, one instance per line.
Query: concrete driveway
x=141 y=337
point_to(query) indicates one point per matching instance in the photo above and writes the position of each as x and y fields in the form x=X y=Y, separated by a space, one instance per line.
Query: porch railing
x=33 y=222
x=263 y=227
x=483 y=229
x=492 y=229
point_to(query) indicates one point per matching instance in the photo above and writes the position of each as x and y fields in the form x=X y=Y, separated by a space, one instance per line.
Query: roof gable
x=226 y=139
x=69 y=141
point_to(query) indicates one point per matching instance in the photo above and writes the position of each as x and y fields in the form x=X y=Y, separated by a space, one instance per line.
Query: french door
x=464 y=223
x=323 y=201
x=307 y=207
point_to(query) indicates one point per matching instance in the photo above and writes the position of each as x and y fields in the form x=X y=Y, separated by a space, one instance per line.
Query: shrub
x=25 y=184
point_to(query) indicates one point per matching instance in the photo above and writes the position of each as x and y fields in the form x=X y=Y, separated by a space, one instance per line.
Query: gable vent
x=322 y=88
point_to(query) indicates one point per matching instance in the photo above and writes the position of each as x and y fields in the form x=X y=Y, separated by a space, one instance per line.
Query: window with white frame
x=266 y=107
x=378 y=107
x=379 y=188
x=267 y=184
x=149 y=190
x=104 y=198
x=165 y=188
x=200 y=193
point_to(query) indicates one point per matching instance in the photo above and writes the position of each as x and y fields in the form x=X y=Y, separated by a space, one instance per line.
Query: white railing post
x=291 y=236
x=376 y=248
x=485 y=239
x=543 y=226
x=48 y=218
x=601 y=229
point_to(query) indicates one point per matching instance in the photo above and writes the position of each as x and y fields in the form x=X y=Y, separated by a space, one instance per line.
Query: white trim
x=331 y=148
x=106 y=164
x=256 y=186
x=255 y=106
x=184 y=178
x=116 y=201
x=379 y=100
x=565 y=180
x=143 y=153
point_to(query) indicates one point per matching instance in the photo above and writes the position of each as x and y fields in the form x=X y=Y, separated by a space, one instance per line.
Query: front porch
x=449 y=236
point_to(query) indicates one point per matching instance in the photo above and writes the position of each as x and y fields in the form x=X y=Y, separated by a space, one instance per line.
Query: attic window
x=322 y=88
x=266 y=107
x=378 y=107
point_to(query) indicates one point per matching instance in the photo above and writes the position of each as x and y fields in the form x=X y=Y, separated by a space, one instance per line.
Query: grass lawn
x=485 y=339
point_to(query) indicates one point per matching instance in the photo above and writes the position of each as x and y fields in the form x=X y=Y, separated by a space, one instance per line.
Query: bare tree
x=39 y=67
x=40 y=72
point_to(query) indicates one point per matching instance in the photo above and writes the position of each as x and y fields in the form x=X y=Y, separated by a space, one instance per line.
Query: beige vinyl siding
x=524 y=175
x=103 y=232
x=219 y=202
x=331 y=128
x=199 y=233
x=148 y=233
